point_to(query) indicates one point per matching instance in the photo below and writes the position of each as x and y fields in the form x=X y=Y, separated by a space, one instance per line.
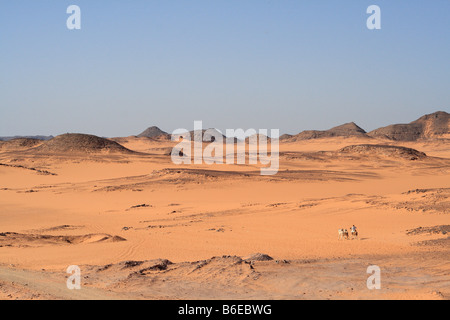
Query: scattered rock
x=258 y=257
x=384 y=150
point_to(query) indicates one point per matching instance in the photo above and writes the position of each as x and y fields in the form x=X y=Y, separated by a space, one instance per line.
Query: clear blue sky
x=292 y=65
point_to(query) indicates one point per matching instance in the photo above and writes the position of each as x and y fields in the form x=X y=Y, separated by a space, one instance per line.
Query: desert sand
x=140 y=227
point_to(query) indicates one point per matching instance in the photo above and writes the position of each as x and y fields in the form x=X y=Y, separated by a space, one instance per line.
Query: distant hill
x=258 y=137
x=152 y=132
x=80 y=143
x=345 y=130
x=200 y=135
x=19 y=144
x=431 y=126
x=435 y=125
x=384 y=150
x=26 y=137
x=285 y=136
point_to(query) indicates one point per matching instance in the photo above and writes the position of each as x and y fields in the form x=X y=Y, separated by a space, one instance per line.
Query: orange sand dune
x=62 y=208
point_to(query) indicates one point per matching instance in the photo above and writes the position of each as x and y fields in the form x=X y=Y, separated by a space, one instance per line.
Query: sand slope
x=189 y=229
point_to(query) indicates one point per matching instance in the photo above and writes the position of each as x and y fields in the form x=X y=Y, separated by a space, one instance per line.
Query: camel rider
x=353 y=229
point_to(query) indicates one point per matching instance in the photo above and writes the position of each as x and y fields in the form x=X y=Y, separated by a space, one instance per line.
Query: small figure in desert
x=343 y=234
x=354 y=233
